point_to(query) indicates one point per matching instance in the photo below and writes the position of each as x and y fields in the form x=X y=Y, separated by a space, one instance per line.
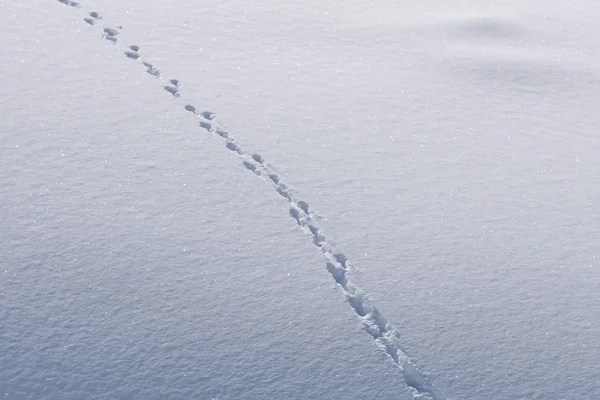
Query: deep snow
x=449 y=150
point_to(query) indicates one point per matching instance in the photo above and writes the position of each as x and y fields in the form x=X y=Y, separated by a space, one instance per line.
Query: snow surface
x=181 y=182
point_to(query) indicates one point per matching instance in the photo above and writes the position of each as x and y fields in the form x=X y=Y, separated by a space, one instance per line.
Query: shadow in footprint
x=209 y=115
x=133 y=55
x=318 y=239
x=295 y=214
x=411 y=375
x=89 y=21
x=110 y=34
x=342 y=259
x=372 y=329
x=284 y=193
x=357 y=302
x=304 y=206
x=274 y=178
x=151 y=70
x=379 y=320
x=173 y=90
x=338 y=274
x=232 y=146
x=70 y=3
x=250 y=166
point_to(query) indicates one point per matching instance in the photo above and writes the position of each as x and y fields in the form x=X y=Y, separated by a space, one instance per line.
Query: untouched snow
x=439 y=159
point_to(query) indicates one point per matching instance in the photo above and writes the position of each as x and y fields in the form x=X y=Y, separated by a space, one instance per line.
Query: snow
x=299 y=200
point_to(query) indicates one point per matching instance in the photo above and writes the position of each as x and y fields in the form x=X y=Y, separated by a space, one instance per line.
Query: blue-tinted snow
x=450 y=148
x=139 y=258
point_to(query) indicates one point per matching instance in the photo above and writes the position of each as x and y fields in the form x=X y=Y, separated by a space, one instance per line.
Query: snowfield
x=296 y=200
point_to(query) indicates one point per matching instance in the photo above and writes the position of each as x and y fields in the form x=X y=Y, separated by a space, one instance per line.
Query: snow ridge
x=385 y=336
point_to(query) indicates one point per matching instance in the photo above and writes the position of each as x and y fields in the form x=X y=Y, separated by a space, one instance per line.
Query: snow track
x=385 y=336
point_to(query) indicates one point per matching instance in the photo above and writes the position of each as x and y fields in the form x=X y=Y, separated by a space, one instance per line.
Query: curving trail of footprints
x=385 y=336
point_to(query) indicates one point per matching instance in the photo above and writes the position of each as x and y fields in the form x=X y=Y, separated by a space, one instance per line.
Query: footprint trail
x=337 y=264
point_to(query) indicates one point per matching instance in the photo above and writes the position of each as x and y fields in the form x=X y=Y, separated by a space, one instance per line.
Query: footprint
x=357 y=302
x=304 y=206
x=250 y=166
x=274 y=178
x=379 y=320
x=209 y=115
x=318 y=239
x=232 y=146
x=342 y=259
x=205 y=125
x=295 y=214
x=89 y=21
x=338 y=274
x=110 y=34
x=284 y=193
x=372 y=329
x=258 y=158
x=70 y=3
x=132 y=54
x=173 y=90
x=223 y=134
x=151 y=70
x=314 y=230
x=95 y=15
x=205 y=114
